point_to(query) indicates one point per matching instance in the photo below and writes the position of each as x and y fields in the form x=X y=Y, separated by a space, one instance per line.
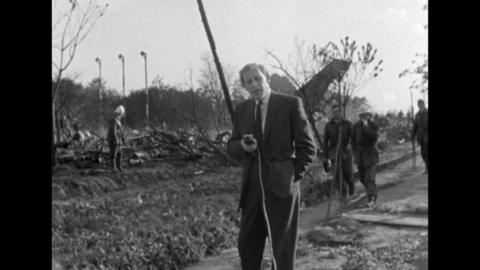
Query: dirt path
x=315 y=215
x=384 y=247
x=398 y=183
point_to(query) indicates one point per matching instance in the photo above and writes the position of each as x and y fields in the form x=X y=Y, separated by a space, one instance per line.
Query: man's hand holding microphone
x=249 y=143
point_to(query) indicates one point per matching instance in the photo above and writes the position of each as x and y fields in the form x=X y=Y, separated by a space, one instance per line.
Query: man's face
x=336 y=113
x=365 y=117
x=421 y=106
x=256 y=83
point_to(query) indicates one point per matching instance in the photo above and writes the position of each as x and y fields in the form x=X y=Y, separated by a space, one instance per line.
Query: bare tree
x=279 y=65
x=73 y=21
x=363 y=68
x=420 y=83
x=311 y=59
x=211 y=88
x=300 y=67
x=420 y=70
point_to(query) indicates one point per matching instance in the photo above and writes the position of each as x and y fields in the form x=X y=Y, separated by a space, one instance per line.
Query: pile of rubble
x=153 y=144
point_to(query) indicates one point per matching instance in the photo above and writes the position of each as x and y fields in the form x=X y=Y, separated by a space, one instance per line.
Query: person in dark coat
x=77 y=134
x=116 y=139
x=330 y=140
x=420 y=130
x=272 y=136
x=364 y=139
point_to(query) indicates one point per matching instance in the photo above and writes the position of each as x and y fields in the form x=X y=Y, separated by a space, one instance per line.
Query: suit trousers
x=367 y=178
x=347 y=175
x=424 y=152
x=115 y=156
x=283 y=219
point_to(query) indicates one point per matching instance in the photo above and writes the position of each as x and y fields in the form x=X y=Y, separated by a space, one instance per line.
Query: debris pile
x=154 y=144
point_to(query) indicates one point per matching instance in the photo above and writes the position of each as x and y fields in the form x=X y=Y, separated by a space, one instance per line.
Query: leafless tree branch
x=283 y=69
x=72 y=26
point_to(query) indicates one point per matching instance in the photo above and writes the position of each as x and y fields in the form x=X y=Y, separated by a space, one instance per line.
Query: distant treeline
x=168 y=106
x=173 y=108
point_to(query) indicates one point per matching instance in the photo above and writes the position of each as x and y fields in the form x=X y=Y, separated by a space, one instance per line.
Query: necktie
x=257 y=133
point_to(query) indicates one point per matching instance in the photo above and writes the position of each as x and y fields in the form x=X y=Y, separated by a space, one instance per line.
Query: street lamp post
x=142 y=53
x=122 y=58
x=99 y=62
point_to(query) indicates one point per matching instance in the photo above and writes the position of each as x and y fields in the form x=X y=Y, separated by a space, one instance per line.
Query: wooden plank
x=387 y=219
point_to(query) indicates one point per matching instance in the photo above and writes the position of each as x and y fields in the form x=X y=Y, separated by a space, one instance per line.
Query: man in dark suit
x=272 y=136
x=330 y=140
x=364 y=139
x=420 y=130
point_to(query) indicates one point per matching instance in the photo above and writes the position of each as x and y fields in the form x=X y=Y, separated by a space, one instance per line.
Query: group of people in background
x=358 y=145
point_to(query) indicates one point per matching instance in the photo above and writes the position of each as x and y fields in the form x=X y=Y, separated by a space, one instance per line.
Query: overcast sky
x=172 y=35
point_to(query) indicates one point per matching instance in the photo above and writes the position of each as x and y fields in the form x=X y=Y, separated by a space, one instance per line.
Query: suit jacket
x=330 y=139
x=420 y=126
x=287 y=145
x=364 y=140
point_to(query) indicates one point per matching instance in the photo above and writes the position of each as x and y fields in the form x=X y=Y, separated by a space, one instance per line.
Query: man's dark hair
x=421 y=101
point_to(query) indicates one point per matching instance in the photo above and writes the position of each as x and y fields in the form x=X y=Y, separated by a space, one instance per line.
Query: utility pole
x=226 y=93
x=122 y=58
x=142 y=53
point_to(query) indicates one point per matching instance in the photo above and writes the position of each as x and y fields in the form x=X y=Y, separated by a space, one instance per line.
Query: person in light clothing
x=116 y=139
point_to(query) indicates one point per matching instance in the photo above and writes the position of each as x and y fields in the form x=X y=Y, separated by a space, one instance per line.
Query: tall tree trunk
x=58 y=126
x=54 y=120
x=54 y=141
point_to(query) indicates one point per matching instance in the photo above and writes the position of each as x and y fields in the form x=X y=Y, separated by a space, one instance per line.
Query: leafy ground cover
x=167 y=227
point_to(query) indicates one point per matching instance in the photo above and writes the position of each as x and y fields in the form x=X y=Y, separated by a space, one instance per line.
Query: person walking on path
x=364 y=139
x=330 y=139
x=272 y=136
x=420 y=130
x=116 y=139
